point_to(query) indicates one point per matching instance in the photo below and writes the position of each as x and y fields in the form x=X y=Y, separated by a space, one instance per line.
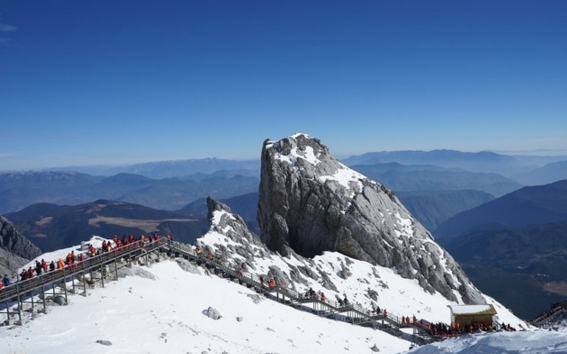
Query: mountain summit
x=310 y=203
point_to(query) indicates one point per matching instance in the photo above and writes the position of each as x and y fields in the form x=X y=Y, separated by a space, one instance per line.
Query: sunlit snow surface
x=140 y=315
x=532 y=342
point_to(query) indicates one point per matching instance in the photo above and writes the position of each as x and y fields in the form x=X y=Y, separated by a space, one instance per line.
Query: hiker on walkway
x=6 y=280
x=51 y=266
x=272 y=284
x=60 y=264
x=345 y=301
x=24 y=275
x=323 y=298
x=38 y=268
x=30 y=272
x=44 y=265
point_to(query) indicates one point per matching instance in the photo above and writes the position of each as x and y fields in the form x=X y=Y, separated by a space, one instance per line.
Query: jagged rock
x=15 y=249
x=187 y=266
x=104 y=342
x=309 y=203
x=375 y=348
x=255 y=298
x=239 y=319
x=213 y=313
x=134 y=270
x=59 y=300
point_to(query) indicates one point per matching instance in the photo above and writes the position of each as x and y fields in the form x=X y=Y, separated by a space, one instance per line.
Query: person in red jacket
x=30 y=273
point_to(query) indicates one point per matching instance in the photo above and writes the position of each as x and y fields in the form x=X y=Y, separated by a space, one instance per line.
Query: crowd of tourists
x=456 y=329
x=73 y=260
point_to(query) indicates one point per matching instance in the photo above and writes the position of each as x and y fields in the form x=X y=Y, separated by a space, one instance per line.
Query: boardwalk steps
x=77 y=279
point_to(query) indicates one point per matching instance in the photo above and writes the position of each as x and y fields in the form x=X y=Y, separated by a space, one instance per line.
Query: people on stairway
x=30 y=272
x=60 y=264
x=272 y=283
x=6 y=280
x=38 y=268
x=323 y=298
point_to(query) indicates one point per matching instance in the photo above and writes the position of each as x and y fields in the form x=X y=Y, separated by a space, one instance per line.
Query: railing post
x=43 y=296
x=102 y=274
x=84 y=279
x=115 y=268
x=19 y=305
x=65 y=285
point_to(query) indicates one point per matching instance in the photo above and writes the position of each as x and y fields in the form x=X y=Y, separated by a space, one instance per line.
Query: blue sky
x=108 y=82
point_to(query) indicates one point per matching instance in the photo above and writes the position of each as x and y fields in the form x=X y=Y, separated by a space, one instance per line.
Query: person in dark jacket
x=6 y=280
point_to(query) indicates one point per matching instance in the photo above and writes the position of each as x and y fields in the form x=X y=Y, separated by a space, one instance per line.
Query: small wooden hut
x=472 y=314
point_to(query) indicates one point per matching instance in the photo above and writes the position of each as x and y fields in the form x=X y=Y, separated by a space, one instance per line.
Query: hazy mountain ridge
x=529 y=205
x=553 y=171
x=168 y=169
x=513 y=247
x=482 y=161
x=52 y=227
x=19 y=190
x=433 y=178
x=432 y=208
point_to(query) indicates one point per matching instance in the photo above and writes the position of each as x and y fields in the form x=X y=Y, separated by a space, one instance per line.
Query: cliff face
x=310 y=203
x=15 y=249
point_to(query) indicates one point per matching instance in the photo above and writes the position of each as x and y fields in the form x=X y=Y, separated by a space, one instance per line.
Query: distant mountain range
x=523 y=267
x=170 y=169
x=52 y=227
x=526 y=206
x=432 y=208
x=514 y=247
x=21 y=189
x=475 y=162
x=514 y=167
x=434 y=178
x=553 y=171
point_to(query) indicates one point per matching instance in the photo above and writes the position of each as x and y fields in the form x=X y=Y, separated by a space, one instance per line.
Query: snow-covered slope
x=166 y=311
x=168 y=315
x=332 y=273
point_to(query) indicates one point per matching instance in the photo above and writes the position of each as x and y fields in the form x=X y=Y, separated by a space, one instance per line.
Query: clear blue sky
x=105 y=82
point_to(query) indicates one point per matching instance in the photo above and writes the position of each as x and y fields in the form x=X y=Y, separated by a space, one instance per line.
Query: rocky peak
x=309 y=202
x=15 y=249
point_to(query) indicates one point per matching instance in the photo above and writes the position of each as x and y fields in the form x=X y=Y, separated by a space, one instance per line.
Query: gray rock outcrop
x=310 y=203
x=15 y=249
